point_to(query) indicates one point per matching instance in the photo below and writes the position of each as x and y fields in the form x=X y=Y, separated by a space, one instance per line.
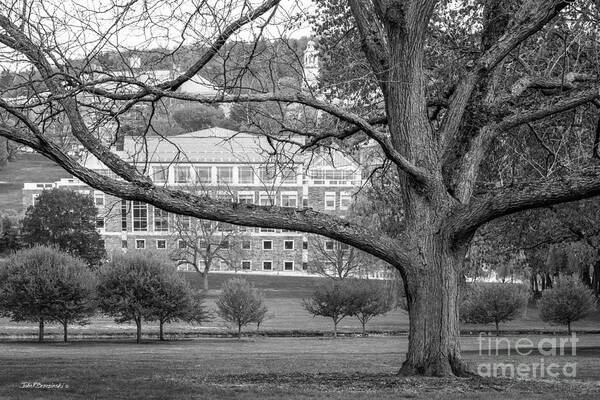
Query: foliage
x=42 y=284
x=331 y=300
x=493 y=302
x=569 y=301
x=128 y=284
x=174 y=300
x=10 y=234
x=240 y=303
x=66 y=219
x=368 y=299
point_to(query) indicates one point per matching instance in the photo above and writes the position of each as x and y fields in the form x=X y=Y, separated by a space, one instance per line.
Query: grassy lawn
x=26 y=168
x=273 y=368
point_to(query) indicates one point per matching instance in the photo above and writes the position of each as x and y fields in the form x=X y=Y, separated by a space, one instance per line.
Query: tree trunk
x=65 y=332
x=364 y=329
x=41 y=331
x=239 y=331
x=138 y=325
x=497 y=329
x=161 y=336
x=569 y=327
x=335 y=328
x=432 y=298
x=205 y=280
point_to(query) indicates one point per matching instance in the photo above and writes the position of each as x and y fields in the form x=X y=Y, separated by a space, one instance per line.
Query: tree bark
x=569 y=327
x=161 y=336
x=335 y=328
x=138 y=325
x=41 y=330
x=497 y=329
x=364 y=329
x=429 y=353
x=239 y=331
x=205 y=281
x=65 y=338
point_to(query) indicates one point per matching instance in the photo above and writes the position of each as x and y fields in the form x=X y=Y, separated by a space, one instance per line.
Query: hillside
x=26 y=168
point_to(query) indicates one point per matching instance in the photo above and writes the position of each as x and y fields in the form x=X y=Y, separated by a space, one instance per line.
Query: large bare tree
x=436 y=141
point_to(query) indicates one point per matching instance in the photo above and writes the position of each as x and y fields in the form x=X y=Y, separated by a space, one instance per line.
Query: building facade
x=226 y=165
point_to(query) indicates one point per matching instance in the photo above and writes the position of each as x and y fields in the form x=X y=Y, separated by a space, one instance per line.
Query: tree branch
x=509 y=200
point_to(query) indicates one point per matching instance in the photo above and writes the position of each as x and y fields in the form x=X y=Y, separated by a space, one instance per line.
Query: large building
x=227 y=165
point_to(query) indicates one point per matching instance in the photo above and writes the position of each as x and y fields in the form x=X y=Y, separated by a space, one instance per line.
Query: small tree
x=42 y=284
x=368 y=299
x=240 y=303
x=65 y=219
x=495 y=302
x=128 y=284
x=569 y=301
x=330 y=300
x=174 y=300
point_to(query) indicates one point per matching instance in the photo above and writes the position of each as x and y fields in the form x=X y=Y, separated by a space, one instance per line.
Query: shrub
x=493 y=302
x=330 y=300
x=43 y=284
x=367 y=299
x=240 y=303
x=569 y=301
x=139 y=286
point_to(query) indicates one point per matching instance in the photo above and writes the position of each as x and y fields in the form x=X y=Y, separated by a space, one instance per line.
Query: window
x=265 y=199
x=332 y=176
x=99 y=199
x=267 y=245
x=266 y=175
x=203 y=174
x=182 y=175
x=184 y=222
x=288 y=265
x=246 y=197
x=289 y=200
x=160 y=174
x=123 y=244
x=245 y=245
x=224 y=227
x=288 y=176
x=181 y=244
x=267 y=230
x=140 y=243
x=246 y=264
x=161 y=244
x=305 y=245
x=344 y=246
x=345 y=200
x=34 y=198
x=224 y=174
x=268 y=265
x=245 y=175
x=161 y=220
x=330 y=200
x=329 y=245
x=124 y=215
x=304 y=266
x=140 y=216
x=224 y=244
x=99 y=223
x=288 y=245
x=304 y=202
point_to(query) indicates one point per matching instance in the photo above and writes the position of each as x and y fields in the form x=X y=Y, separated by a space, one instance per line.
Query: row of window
x=208 y=175
x=161 y=244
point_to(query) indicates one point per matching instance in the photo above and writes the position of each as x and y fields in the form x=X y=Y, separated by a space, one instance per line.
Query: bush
x=569 y=301
x=493 y=302
x=241 y=304
x=43 y=284
x=331 y=300
x=139 y=286
x=368 y=299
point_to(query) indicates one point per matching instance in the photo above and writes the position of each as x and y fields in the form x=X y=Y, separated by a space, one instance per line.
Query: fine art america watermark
x=543 y=359
x=39 y=385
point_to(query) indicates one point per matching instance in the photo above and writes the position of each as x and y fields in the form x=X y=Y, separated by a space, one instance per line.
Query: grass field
x=273 y=368
x=26 y=168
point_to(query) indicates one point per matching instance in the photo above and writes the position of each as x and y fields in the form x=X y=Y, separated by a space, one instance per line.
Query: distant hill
x=26 y=168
